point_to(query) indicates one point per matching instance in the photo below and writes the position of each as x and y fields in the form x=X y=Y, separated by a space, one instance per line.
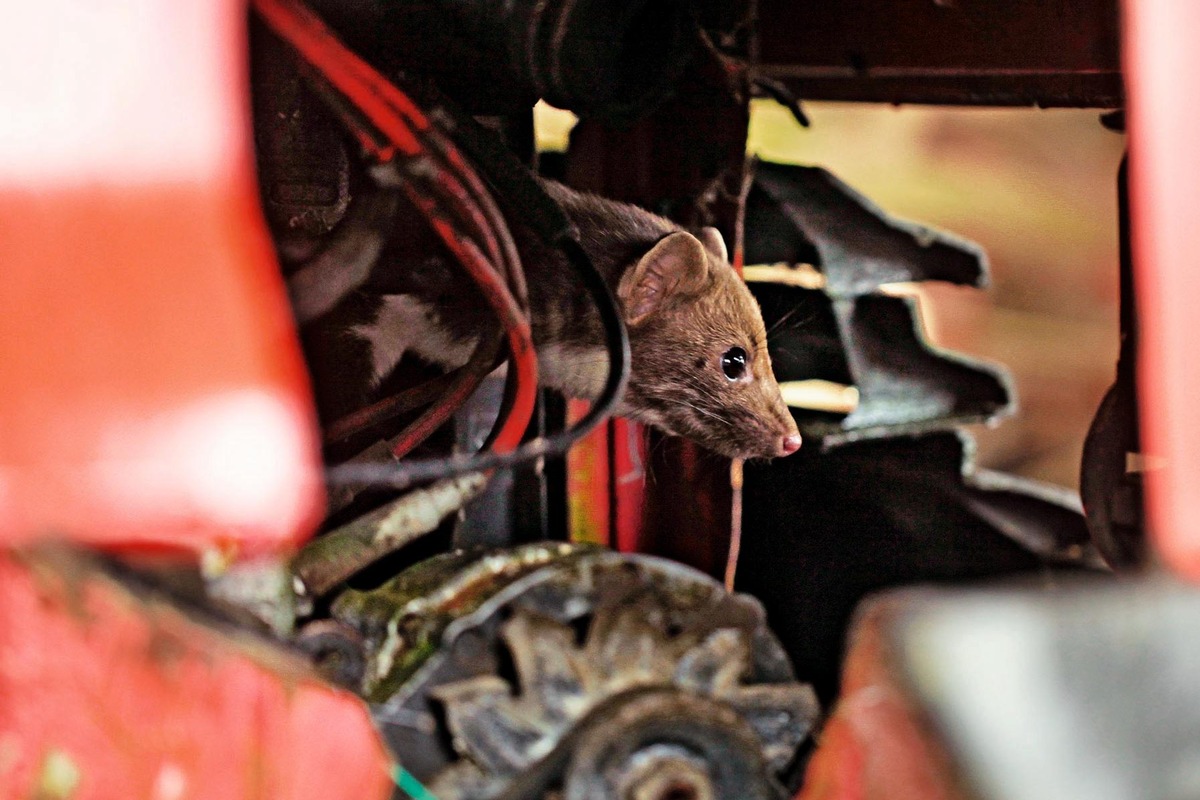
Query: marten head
x=700 y=367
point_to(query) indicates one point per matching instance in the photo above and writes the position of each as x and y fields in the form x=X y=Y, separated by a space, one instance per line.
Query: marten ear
x=675 y=267
x=715 y=243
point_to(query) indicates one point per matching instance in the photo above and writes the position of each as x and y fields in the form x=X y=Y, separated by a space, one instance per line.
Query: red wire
x=389 y=407
x=516 y=325
x=381 y=102
x=341 y=67
x=520 y=343
x=463 y=386
x=463 y=201
x=384 y=105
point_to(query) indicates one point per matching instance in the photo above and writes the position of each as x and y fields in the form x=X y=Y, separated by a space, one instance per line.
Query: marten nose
x=789 y=444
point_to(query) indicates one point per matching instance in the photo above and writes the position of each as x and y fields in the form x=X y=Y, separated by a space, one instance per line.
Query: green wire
x=409 y=784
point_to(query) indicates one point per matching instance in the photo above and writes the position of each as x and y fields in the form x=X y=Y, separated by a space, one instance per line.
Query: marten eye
x=733 y=363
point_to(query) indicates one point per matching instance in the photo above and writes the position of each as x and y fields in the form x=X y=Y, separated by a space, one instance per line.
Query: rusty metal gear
x=524 y=672
x=501 y=728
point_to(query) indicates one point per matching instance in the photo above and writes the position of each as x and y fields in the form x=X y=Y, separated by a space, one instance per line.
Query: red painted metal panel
x=589 y=483
x=606 y=483
x=1162 y=64
x=876 y=744
x=105 y=693
x=152 y=390
x=629 y=478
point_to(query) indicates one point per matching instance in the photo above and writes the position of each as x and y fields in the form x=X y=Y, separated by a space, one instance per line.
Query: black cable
x=553 y=226
x=450 y=176
x=780 y=93
x=404 y=474
x=519 y=192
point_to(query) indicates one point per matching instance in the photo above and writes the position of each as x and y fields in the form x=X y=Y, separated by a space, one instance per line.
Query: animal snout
x=788 y=444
